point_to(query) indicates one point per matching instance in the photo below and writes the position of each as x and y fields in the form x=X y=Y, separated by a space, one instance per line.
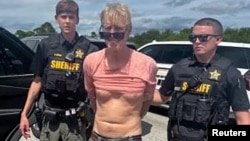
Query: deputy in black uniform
x=203 y=87
x=57 y=66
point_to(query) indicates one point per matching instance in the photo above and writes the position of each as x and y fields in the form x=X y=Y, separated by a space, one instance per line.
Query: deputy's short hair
x=216 y=24
x=67 y=6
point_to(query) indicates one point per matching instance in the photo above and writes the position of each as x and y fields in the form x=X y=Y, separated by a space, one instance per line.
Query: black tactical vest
x=63 y=73
x=199 y=96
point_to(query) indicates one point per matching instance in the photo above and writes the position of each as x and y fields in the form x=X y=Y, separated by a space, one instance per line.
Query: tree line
x=230 y=34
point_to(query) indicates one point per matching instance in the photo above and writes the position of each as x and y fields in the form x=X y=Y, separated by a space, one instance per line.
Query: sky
x=27 y=15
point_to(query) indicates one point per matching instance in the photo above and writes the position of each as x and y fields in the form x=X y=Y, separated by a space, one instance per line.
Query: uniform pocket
x=50 y=83
x=188 y=111
x=172 y=109
x=54 y=80
x=203 y=111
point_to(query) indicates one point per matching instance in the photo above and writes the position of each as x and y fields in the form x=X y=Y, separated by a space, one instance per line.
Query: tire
x=35 y=130
x=16 y=135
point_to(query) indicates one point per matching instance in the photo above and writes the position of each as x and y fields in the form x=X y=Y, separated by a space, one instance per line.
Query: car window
x=32 y=44
x=170 y=54
x=240 y=56
x=167 y=54
x=9 y=63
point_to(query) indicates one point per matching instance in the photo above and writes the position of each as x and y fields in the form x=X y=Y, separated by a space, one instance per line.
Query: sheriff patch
x=203 y=88
x=63 y=65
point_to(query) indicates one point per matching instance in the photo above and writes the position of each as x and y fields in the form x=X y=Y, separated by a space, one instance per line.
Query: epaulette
x=223 y=63
x=54 y=40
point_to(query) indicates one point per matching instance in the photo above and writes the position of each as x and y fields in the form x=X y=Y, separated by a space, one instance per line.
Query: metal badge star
x=79 y=53
x=214 y=75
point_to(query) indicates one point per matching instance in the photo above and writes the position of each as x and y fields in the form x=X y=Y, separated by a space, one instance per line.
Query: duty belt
x=62 y=112
x=96 y=137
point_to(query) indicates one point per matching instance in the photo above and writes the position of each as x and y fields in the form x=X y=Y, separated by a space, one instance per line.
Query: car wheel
x=35 y=130
x=17 y=136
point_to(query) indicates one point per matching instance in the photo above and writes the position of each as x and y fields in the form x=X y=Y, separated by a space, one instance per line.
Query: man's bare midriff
x=118 y=114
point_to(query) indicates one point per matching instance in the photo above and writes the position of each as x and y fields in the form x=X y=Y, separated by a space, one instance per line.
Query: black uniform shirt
x=234 y=85
x=41 y=57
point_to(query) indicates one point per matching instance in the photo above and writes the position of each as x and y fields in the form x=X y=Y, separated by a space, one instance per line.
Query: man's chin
x=66 y=31
x=199 y=53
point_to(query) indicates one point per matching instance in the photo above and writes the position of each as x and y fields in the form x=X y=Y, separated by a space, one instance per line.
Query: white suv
x=167 y=53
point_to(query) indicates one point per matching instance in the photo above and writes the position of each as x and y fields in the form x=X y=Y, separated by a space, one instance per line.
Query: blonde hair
x=116 y=12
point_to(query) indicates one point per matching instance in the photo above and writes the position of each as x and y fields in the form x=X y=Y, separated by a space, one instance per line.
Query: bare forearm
x=159 y=99
x=242 y=117
x=32 y=94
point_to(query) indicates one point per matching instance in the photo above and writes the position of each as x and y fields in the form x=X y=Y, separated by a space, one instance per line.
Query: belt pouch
x=50 y=115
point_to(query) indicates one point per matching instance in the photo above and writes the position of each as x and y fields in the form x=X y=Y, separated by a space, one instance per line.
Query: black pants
x=97 y=137
x=186 y=131
x=181 y=138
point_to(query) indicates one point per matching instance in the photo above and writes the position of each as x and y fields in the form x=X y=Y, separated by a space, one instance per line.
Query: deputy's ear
x=219 y=39
x=55 y=17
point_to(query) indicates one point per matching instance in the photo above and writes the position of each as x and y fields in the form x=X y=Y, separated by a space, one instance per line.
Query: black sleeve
x=167 y=85
x=92 y=48
x=39 y=59
x=237 y=93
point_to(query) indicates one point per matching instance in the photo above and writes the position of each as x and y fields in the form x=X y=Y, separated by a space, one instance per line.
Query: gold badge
x=214 y=75
x=79 y=53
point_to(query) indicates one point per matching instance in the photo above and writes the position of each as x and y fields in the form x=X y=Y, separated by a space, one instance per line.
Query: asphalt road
x=154 y=125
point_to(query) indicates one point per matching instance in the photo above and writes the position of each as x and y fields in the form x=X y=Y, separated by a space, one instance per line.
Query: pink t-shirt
x=137 y=76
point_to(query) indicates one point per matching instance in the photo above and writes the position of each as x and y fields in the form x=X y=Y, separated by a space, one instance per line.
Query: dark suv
x=15 y=79
x=33 y=41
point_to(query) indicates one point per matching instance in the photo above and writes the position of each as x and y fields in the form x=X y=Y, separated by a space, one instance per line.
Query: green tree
x=43 y=29
x=93 y=35
x=230 y=35
x=21 y=34
x=166 y=34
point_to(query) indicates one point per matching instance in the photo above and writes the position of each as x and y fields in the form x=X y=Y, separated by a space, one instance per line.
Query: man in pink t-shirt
x=120 y=81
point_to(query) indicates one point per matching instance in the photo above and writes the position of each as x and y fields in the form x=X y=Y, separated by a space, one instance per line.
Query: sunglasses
x=201 y=37
x=107 y=36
